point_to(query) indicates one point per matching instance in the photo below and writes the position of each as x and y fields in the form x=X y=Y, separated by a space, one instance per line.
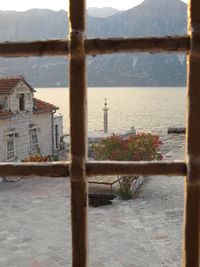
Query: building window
x=21 y=102
x=34 y=139
x=56 y=136
x=10 y=147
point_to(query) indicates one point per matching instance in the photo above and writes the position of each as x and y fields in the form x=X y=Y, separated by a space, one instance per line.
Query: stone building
x=28 y=125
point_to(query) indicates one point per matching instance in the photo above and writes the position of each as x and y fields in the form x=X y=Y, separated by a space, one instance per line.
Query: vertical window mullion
x=192 y=193
x=78 y=132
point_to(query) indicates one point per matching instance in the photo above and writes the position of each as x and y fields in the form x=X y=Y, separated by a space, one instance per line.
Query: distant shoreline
x=118 y=87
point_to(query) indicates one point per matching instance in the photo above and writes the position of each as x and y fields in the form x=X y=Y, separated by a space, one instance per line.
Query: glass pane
x=33 y=134
x=35 y=229
x=136 y=18
x=59 y=96
x=148 y=96
x=143 y=231
x=33 y=20
x=35 y=222
x=145 y=93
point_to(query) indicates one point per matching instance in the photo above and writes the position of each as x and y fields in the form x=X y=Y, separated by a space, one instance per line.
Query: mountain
x=152 y=17
x=34 y=24
x=102 y=12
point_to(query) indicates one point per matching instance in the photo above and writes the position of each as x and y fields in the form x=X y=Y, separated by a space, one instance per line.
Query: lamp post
x=105 y=109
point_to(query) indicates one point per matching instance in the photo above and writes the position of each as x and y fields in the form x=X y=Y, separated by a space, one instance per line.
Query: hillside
x=102 y=12
x=152 y=17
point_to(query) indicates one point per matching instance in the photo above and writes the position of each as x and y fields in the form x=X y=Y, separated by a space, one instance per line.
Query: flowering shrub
x=142 y=146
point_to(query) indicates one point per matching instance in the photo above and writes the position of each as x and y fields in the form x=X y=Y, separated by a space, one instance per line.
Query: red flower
x=137 y=147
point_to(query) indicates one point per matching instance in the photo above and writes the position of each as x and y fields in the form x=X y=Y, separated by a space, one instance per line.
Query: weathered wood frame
x=191 y=249
x=97 y=46
x=77 y=47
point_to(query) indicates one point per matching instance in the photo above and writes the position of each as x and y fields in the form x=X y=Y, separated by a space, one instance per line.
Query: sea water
x=149 y=109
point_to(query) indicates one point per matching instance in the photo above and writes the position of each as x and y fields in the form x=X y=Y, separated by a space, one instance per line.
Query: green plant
x=125 y=194
x=55 y=157
x=126 y=186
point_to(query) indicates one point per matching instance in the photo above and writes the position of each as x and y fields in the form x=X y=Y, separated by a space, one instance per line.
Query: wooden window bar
x=77 y=47
x=191 y=249
x=59 y=169
x=177 y=44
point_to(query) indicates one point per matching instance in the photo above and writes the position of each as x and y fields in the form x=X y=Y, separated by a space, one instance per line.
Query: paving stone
x=145 y=231
x=12 y=179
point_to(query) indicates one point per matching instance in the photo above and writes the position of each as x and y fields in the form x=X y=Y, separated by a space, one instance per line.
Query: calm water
x=148 y=109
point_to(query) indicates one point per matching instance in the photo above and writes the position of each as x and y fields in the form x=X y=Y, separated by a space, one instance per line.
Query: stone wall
x=20 y=125
x=24 y=122
x=58 y=120
x=5 y=124
x=4 y=102
x=43 y=121
x=20 y=88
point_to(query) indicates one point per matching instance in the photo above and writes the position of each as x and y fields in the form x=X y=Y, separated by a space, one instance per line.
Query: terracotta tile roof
x=40 y=106
x=4 y=113
x=7 y=83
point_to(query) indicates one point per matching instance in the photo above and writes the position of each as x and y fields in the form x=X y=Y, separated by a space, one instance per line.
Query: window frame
x=79 y=168
x=56 y=136
x=7 y=147
x=33 y=147
x=21 y=101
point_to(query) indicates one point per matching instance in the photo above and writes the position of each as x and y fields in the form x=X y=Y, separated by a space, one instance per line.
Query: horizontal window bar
x=147 y=44
x=52 y=169
x=61 y=169
x=34 y=48
x=97 y=46
x=138 y=168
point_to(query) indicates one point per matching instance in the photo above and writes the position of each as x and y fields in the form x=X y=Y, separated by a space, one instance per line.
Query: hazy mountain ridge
x=102 y=12
x=152 y=17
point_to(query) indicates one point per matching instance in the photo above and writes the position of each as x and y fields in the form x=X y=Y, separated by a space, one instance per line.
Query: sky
x=22 y=5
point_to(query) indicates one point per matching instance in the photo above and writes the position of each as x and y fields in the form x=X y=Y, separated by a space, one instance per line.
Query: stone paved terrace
x=145 y=231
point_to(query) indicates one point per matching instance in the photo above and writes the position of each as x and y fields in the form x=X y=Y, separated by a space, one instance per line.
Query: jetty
x=176 y=130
